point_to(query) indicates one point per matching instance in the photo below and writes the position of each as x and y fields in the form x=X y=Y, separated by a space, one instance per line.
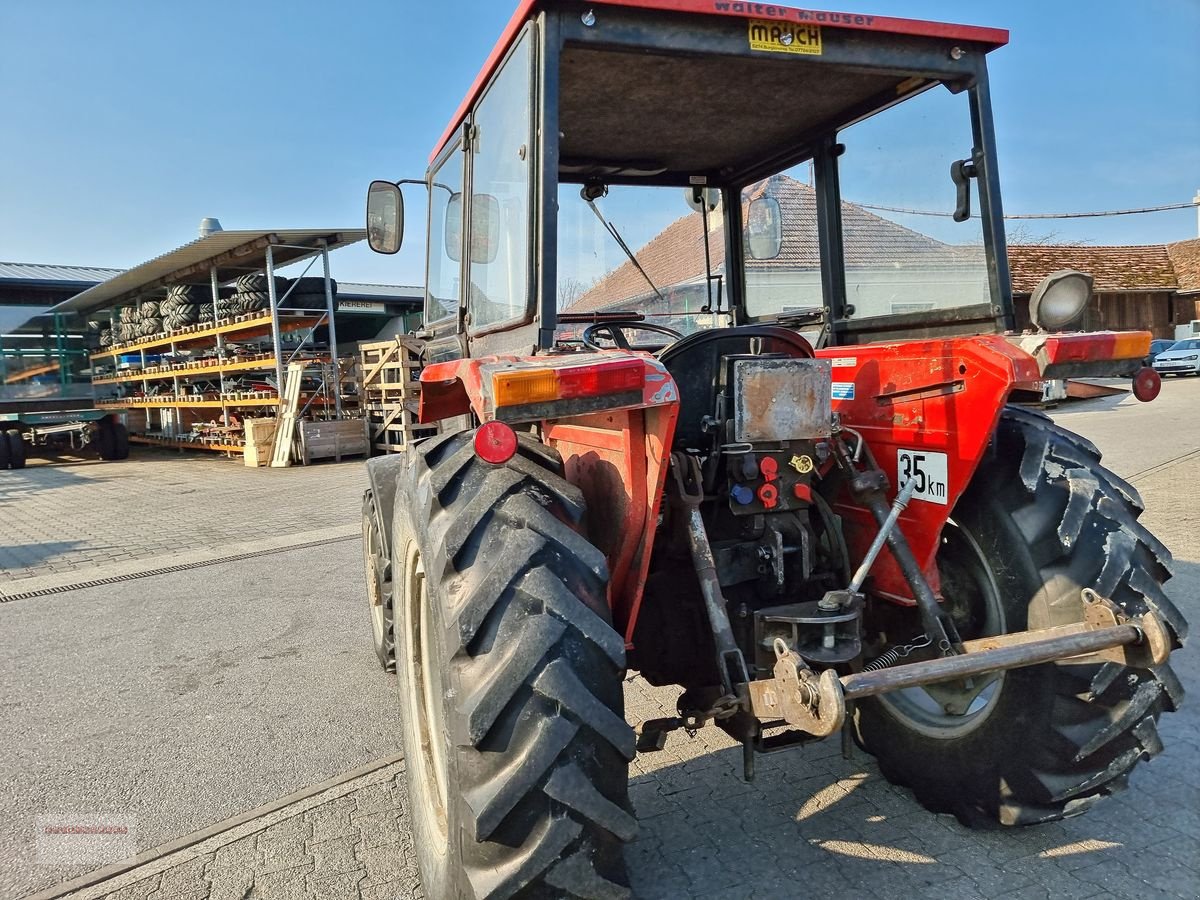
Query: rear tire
x=16 y=449
x=1046 y=520
x=510 y=679
x=4 y=454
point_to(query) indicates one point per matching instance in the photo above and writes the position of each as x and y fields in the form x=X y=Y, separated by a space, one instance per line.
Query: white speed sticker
x=929 y=470
x=844 y=362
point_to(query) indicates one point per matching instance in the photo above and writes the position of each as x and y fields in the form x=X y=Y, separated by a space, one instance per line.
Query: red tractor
x=768 y=458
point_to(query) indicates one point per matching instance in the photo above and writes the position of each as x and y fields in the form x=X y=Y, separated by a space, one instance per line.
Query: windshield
x=895 y=261
x=1186 y=345
x=668 y=284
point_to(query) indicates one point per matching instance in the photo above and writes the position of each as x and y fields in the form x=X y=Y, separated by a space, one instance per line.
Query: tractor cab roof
x=660 y=91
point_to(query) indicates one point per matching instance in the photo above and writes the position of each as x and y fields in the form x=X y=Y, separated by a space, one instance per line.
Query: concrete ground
x=181 y=699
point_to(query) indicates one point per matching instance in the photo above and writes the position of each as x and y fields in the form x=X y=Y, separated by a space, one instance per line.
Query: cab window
x=501 y=166
x=445 y=239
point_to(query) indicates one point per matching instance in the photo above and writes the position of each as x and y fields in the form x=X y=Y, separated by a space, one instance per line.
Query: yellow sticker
x=785 y=37
x=802 y=464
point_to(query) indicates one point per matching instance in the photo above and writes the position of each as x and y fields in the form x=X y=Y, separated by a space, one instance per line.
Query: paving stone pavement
x=812 y=824
x=63 y=519
x=351 y=840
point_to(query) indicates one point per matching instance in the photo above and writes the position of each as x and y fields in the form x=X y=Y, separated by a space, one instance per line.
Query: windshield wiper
x=590 y=194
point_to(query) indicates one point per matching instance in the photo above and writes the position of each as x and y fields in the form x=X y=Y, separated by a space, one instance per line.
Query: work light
x=1060 y=300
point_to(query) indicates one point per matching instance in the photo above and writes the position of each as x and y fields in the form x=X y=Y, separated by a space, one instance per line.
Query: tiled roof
x=29 y=273
x=1185 y=258
x=676 y=255
x=1136 y=268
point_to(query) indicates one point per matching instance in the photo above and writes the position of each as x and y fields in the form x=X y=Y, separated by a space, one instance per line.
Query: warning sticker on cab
x=842 y=390
x=930 y=472
x=785 y=37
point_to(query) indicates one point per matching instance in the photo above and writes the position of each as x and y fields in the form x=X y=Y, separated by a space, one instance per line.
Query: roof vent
x=209 y=226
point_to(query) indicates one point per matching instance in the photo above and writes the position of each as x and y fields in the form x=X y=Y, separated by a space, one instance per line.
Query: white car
x=1182 y=358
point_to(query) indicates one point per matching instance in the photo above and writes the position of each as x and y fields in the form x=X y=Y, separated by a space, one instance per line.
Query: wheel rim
x=978 y=612
x=373 y=563
x=423 y=686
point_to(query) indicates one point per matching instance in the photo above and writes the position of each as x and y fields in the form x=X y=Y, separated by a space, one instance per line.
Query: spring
x=893 y=656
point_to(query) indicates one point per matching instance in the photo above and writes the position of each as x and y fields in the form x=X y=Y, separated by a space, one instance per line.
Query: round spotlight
x=1060 y=300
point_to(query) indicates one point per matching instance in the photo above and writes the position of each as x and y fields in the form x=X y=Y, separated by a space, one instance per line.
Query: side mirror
x=385 y=217
x=764 y=227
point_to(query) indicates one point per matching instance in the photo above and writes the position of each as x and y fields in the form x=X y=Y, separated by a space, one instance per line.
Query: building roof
x=394 y=292
x=676 y=255
x=36 y=274
x=232 y=253
x=1185 y=259
x=1114 y=268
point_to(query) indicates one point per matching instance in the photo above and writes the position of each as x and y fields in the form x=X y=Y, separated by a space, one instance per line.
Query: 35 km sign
x=930 y=471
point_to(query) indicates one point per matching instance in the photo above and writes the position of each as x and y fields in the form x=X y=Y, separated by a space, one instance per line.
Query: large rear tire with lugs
x=1041 y=521
x=509 y=674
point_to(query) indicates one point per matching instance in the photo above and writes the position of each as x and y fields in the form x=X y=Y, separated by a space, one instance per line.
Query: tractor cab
x=698 y=165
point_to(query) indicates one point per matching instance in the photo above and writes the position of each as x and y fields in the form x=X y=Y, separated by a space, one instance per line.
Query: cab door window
x=501 y=182
x=444 y=253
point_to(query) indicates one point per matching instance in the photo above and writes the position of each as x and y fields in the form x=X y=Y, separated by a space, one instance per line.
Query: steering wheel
x=614 y=331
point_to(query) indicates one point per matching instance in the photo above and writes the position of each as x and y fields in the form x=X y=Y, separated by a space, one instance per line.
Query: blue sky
x=127 y=121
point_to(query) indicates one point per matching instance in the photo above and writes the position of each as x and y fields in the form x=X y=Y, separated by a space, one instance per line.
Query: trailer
x=95 y=430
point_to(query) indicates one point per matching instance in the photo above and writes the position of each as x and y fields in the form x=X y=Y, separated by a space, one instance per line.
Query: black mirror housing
x=385 y=217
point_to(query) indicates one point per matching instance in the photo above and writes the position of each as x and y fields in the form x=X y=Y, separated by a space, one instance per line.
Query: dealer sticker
x=785 y=37
x=843 y=362
x=843 y=390
x=929 y=470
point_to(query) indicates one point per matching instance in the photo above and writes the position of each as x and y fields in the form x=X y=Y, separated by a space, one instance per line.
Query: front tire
x=377 y=571
x=509 y=672
x=1041 y=521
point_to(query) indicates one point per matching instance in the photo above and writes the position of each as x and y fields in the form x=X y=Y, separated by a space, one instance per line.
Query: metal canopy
x=230 y=253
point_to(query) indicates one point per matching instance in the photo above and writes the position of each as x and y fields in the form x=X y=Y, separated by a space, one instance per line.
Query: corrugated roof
x=232 y=252
x=404 y=292
x=1185 y=259
x=1114 y=268
x=40 y=273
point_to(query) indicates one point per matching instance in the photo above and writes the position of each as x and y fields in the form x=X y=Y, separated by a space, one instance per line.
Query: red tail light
x=602 y=378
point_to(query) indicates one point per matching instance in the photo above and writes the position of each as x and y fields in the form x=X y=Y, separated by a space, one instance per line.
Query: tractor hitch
x=816 y=705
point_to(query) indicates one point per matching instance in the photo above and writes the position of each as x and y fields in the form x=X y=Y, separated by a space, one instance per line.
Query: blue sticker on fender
x=843 y=390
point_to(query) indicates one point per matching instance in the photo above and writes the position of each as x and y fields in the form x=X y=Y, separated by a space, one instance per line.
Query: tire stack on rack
x=127 y=324
x=225 y=308
x=150 y=322
x=252 y=293
x=309 y=293
x=182 y=306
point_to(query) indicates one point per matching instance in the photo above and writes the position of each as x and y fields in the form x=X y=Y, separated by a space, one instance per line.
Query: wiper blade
x=612 y=229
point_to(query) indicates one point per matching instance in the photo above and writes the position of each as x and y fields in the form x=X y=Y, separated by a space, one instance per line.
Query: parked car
x=1181 y=358
x=1157 y=347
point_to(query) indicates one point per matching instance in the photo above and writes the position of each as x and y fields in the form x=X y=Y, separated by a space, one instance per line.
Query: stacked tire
x=182 y=306
x=252 y=294
x=309 y=293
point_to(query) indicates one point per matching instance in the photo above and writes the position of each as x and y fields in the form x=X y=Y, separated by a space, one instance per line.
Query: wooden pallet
x=389 y=391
